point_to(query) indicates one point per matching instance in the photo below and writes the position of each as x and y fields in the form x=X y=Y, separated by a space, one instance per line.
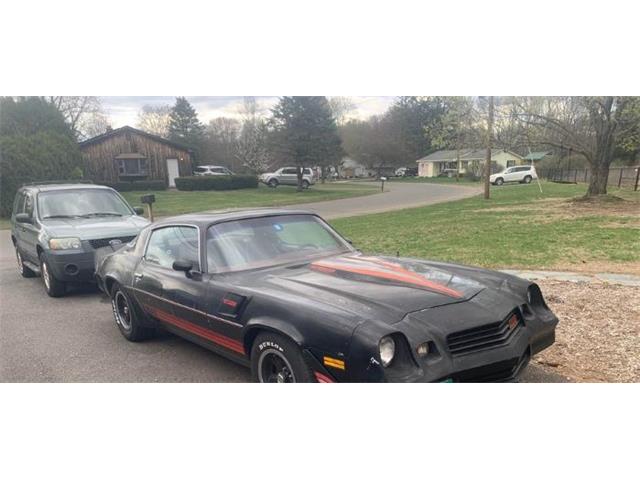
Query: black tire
x=25 y=271
x=305 y=184
x=127 y=316
x=276 y=359
x=499 y=181
x=527 y=179
x=54 y=287
x=273 y=183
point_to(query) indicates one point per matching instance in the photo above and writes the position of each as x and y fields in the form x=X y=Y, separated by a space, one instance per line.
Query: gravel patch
x=598 y=337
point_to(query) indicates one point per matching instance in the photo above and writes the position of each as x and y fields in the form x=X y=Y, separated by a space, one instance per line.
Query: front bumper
x=68 y=266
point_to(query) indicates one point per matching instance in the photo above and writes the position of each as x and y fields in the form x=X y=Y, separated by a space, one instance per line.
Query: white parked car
x=521 y=173
x=288 y=176
x=204 y=170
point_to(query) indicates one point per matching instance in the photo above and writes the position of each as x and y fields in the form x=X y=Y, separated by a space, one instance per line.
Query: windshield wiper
x=60 y=216
x=102 y=214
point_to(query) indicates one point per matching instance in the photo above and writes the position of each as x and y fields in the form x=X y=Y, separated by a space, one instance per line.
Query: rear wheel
x=126 y=317
x=25 y=271
x=527 y=179
x=53 y=286
x=305 y=184
x=273 y=183
x=499 y=181
x=276 y=359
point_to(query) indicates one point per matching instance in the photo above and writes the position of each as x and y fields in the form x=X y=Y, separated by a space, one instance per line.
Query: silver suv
x=288 y=176
x=56 y=230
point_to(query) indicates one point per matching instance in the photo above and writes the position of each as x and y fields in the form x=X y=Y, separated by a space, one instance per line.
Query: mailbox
x=148 y=199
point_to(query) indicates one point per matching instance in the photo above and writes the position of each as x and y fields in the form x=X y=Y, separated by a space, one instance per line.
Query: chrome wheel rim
x=45 y=276
x=273 y=367
x=20 y=264
x=122 y=310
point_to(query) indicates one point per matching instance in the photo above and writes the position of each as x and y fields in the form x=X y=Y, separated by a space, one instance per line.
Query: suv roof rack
x=55 y=182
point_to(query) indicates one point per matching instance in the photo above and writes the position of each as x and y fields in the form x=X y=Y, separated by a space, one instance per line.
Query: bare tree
x=588 y=126
x=80 y=112
x=341 y=107
x=252 y=149
x=221 y=136
x=154 y=119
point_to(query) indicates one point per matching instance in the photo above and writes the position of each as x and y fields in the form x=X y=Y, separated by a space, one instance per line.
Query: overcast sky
x=124 y=110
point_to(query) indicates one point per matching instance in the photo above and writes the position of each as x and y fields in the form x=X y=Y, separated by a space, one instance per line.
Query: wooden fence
x=618 y=176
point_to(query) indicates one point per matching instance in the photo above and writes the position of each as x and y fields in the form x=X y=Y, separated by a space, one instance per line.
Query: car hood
x=385 y=288
x=94 y=228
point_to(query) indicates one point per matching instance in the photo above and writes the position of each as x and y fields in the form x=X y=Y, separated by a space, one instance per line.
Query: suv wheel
x=305 y=184
x=127 y=317
x=53 y=286
x=273 y=183
x=499 y=181
x=527 y=179
x=25 y=271
x=276 y=359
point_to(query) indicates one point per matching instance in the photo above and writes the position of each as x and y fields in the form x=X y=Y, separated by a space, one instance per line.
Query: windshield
x=201 y=169
x=267 y=241
x=81 y=203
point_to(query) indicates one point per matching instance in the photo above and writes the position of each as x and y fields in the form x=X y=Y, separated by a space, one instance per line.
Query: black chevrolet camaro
x=282 y=292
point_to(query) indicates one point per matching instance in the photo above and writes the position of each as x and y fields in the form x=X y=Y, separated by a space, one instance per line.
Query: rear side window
x=18 y=204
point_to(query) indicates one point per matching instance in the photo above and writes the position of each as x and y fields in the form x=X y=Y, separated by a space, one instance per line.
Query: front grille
x=504 y=371
x=104 y=242
x=486 y=336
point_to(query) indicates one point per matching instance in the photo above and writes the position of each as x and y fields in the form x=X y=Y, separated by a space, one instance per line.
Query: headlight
x=70 y=243
x=387 y=350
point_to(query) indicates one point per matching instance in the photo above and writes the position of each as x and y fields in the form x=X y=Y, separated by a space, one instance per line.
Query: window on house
x=132 y=167
x=510 y=163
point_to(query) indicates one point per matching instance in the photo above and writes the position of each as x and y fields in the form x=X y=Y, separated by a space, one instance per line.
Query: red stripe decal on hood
x=373 y=267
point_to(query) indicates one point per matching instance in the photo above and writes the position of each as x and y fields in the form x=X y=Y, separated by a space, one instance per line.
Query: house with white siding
x=434 y=164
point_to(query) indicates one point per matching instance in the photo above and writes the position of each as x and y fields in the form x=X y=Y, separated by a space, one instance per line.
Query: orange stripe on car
x=390 y=271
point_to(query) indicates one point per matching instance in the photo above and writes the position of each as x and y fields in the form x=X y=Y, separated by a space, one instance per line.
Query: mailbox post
x=382 y=180
x=149 y=200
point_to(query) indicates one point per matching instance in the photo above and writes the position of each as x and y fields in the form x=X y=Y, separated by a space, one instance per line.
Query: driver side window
x=169 y=244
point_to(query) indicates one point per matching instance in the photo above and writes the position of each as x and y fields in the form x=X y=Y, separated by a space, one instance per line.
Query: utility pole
x=489 y=141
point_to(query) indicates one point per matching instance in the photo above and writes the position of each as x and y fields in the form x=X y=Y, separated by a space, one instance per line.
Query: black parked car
x=56 y=228
x=281 y=291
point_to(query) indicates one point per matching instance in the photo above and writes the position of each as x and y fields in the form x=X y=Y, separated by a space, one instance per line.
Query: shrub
x=222 y=182
x=142 y=185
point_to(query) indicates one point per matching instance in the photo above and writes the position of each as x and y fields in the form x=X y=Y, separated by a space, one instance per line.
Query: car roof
x=211 y=166
x=65 y=186
x=206 y=219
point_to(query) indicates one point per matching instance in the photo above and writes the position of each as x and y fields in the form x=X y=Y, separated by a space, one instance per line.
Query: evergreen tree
x=184 y=126
x=306 y=133
x=35 y=144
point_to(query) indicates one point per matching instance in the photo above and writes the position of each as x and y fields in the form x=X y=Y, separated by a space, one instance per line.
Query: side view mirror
x=138 y=210
x=23 y=218
x=183 y=266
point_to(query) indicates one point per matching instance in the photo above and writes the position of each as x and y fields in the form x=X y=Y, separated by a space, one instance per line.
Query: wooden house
x=127 y=154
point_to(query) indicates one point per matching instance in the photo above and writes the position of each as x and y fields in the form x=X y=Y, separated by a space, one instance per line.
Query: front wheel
x=527 y=179
x=305 y=184
x=276 y=359
x=499 y=181
x=53 y=286
x=126 y=317
x=25 y=271
x=273 y=183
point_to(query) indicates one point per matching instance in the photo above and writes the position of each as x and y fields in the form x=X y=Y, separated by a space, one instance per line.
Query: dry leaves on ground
x=598 y=337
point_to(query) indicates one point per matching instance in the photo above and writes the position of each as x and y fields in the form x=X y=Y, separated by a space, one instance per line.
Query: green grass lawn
x=172 y=202
x=518 y=227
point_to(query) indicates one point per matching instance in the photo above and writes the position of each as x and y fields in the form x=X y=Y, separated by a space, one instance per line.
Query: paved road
x=73 y=339
x=396 y=196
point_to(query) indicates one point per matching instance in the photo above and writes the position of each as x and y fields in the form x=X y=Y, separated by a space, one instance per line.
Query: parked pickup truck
x=56 y=230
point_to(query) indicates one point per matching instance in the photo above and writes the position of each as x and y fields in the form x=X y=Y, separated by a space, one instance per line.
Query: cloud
x=124 y=110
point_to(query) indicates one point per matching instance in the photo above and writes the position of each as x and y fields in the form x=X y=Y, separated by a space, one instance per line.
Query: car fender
x=276 y=325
